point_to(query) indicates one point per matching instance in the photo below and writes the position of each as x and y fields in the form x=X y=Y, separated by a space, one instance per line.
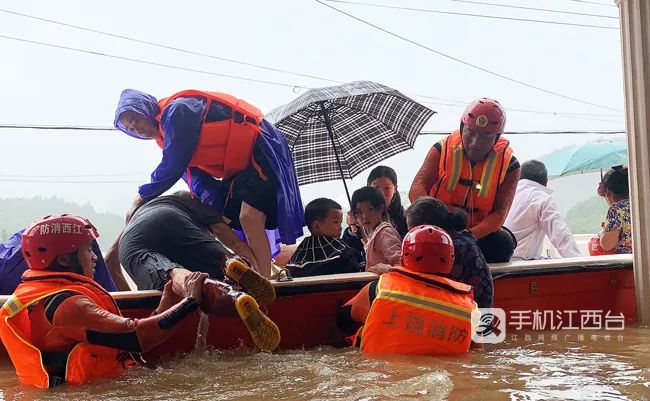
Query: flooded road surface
x=571 y=368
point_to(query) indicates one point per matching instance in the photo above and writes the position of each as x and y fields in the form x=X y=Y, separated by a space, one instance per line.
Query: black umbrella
x=339 y=131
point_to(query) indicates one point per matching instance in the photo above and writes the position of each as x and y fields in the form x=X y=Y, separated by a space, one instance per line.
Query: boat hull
x=306 y=309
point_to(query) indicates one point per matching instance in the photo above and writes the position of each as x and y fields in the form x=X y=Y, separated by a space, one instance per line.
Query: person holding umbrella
x=474 y=169
x=230 y=157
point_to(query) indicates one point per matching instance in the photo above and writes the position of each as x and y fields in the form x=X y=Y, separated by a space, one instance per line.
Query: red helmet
x=428 y=249
x=485 y=114
x=53 y=236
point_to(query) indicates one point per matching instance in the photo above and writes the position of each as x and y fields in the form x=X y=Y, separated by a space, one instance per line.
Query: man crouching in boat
x=59 y=326
x=414 y=309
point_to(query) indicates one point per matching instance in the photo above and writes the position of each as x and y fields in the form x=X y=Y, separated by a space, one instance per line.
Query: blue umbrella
x=585 y=158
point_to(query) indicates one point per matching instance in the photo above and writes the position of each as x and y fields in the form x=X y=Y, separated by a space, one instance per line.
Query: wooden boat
x=306 y=308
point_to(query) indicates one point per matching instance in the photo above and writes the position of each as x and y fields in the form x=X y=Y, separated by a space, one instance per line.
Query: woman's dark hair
x=428 y=210
x=616 y=182
x=74 y=267
x=371 y=195
x=395 y=209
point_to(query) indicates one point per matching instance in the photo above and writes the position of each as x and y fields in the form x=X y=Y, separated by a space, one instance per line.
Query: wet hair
x=318 y=209
x=371 y=195
x=431 y=211
x=395 y=209
x=615 y=181
x=534 y=170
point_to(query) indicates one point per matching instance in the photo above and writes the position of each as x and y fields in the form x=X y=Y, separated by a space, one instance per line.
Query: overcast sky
x=52 y=86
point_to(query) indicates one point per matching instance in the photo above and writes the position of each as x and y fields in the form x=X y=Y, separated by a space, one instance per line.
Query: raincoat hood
x=138 y=102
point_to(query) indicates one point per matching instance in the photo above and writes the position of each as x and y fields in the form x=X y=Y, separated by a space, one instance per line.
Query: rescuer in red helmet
x=414 y=309
x=60 y=326
x=474 y=169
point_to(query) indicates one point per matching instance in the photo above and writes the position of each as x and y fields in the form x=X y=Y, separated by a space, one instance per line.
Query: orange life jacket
x=85 y=362
x=225 y=147
x=418 y=314
x=472 y=188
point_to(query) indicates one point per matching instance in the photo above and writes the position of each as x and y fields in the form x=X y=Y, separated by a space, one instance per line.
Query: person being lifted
x=474 y=169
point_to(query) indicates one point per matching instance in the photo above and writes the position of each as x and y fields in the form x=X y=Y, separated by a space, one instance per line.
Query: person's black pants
x=499 y=246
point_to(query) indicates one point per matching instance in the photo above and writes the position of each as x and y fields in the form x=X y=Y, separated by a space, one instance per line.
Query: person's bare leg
x=112 y=261
x=220 y=299
x=253 y=222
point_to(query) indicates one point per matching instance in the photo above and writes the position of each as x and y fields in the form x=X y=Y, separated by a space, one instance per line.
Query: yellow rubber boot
x=251 y=281
x=263 y=331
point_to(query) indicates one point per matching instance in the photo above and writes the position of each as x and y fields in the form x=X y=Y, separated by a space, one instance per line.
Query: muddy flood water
x=609 y=366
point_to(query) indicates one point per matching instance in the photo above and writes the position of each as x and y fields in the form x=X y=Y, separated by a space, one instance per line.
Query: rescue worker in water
x=60 y=326
x=414 y=309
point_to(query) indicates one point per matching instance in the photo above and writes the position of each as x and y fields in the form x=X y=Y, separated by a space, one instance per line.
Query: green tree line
x=18 y=213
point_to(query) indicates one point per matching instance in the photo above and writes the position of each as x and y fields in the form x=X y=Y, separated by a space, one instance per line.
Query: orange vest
x=472 y=188
x=85 y=362
x=225 y=147
x=418 y=314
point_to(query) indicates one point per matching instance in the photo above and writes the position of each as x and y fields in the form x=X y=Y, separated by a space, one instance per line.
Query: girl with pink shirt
x=382 y=242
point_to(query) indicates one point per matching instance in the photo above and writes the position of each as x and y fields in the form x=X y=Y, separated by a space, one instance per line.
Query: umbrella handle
x=330 y=131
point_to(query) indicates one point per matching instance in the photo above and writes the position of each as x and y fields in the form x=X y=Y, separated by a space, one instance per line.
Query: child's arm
x=389 y=244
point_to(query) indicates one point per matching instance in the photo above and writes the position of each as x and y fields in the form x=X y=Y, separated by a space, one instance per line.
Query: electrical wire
x=466 y=63
x=548 y=10
x=461 y=103
x=163 y=46
x=97 y=53
x=472 y=15
x=593 y=2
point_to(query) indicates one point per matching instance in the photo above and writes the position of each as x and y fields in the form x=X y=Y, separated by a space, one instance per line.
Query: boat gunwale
x=350 y=281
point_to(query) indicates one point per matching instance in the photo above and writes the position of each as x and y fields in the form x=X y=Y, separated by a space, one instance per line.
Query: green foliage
x=18 y=213
x=585 y=216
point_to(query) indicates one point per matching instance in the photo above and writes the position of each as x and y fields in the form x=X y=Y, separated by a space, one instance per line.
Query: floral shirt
x=618 y=217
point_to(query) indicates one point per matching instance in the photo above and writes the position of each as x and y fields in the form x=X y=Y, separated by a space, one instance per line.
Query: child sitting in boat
x=381 y=240
x=414 y=309
x=60 y=326
x=470 y=267
x=323 y=252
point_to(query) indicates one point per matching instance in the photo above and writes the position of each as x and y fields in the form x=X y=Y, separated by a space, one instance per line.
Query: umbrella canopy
x=339 y=131
x=585 y=158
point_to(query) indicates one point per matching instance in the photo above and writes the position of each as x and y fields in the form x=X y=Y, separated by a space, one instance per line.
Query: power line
x=496 y=74
x=58 y=127
x=543 y=132
x=593 y=2
x=162 y=46
x=464 y=103
x=577 y=132
x=535 y=9
x=70 y=181
x=96 y=53
x=472 y=15
x=8 y=176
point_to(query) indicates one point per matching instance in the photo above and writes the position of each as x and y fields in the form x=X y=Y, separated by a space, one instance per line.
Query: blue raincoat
x=181 y=121
x=13 y=265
